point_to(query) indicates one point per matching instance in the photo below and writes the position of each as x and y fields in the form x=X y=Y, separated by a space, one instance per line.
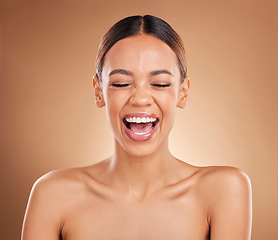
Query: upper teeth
x=140 y=120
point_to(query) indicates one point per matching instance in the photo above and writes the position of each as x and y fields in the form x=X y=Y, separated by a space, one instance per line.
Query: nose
x=141 y=96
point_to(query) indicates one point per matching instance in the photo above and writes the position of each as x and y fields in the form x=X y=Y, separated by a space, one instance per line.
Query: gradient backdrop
x=49 y=120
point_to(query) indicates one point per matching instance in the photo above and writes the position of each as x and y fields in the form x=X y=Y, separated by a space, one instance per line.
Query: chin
x=140 y=151
x=144 y=148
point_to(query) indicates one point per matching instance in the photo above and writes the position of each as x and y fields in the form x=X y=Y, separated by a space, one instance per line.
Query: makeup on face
x=141 y=83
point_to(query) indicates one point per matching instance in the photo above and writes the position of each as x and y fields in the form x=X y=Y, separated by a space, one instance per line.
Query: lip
x=143 y=137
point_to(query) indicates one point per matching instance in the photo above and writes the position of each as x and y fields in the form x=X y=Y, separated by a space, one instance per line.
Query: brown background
x=49 y=119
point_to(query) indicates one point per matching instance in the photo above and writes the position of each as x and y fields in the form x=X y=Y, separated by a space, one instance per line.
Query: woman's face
x=141 y=90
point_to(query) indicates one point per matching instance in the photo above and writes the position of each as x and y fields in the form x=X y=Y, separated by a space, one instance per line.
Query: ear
x=184 y=92
x=98 y=92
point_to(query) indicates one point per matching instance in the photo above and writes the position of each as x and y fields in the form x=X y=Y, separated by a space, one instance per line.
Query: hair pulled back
x=136 y=25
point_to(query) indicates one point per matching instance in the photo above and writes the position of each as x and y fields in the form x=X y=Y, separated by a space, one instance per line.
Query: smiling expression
x=141 y=90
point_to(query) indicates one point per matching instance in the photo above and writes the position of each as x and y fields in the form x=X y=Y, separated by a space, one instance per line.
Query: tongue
x=140 y=127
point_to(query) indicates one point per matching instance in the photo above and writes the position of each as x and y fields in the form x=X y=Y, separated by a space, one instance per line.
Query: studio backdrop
x=49 y=119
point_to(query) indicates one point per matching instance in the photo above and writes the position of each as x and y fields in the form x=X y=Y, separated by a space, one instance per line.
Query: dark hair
x=136 y=25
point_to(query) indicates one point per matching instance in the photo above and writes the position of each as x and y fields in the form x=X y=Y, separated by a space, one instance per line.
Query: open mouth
x=140 y=127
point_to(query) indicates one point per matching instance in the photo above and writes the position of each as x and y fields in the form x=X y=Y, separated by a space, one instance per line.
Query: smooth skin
x=142 y=192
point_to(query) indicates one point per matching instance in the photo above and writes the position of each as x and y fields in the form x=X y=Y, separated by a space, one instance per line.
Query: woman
x=142 y=191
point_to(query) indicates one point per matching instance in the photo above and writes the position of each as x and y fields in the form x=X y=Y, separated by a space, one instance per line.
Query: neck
x=141 y=174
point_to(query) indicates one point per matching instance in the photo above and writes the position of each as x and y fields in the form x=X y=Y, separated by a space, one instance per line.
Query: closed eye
x=120 y=85
x=161 y=85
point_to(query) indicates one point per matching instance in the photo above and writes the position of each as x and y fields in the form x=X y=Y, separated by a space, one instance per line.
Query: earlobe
x=184 y=92
x=98 y=92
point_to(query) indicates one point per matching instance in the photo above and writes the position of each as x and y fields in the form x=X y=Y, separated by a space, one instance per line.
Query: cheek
x=114 y=102
x=167 y=103
x=166 y=100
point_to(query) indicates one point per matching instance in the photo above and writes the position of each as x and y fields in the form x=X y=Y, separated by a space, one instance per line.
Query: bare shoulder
x=69 y=183
x=50 y=198
x=59 y=182
x=228 y=197
x=221 y=176
x=217 y=182
x=56 y=189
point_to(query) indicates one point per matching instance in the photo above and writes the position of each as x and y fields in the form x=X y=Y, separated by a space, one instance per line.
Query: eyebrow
x=128 y=73
x=120 y=71
x=162 y=71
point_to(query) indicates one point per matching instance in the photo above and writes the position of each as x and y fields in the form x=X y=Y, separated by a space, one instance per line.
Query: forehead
x=142 y=53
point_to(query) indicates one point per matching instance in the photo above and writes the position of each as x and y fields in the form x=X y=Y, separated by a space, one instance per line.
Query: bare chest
x=156 y=219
